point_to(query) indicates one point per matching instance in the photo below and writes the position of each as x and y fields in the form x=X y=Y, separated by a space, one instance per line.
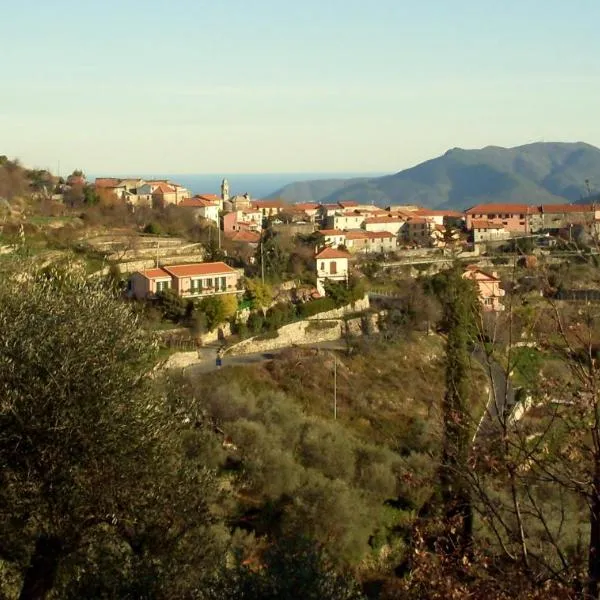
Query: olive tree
x=92 y=451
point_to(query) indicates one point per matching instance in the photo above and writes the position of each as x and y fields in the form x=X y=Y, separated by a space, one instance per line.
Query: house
x=559 y=216
x=310 y=210
x=332 y=237
x=243 y=219
x=489 y=289
x=423 y=232
x=518 y=219
x=439 y=217
x=380 y=242
x=268 y=208
x=195 y=280
x=332 y=265
x=201 y=207
x=391 y=224
x=349 y=219
x=485 y=231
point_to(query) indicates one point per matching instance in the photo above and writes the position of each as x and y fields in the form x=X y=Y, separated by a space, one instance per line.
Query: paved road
x=501 y=396
x=207 y=363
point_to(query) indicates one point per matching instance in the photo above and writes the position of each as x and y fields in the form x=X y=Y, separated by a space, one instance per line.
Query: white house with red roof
x=486 y=231
x=202 y=207
x=194 y=280
x=238 y=220
x=332 y=265
x=268 y=208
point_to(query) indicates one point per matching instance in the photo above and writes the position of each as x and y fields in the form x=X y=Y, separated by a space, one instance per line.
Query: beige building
x=332 y=237
x=488 y=286
x=187 y=281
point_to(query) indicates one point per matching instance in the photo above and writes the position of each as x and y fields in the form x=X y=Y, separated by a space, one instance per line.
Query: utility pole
x=262 y=261
x=157 y=246
x=334 y=388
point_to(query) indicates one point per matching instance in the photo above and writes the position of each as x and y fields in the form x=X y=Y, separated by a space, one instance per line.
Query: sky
x=266 y=86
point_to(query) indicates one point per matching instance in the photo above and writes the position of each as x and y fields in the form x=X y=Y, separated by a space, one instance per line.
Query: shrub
x=153 y=228
x=315 y=307
x=255 y=323
x=279 y=315
x=171 y=305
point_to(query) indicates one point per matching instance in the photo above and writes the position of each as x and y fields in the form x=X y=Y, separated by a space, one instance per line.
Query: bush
x=279 y=315
x=153 y=228
x=314 y=307
x=171 y=305
x=255 y=323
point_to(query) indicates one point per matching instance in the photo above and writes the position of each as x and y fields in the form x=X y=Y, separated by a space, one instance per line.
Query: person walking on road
x=219 y=357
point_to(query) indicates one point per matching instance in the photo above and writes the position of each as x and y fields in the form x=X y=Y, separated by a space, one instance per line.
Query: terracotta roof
x=214 y=268
x=163 y=188
x=483 y=224
x=330 y=206
x=248 y=237
x=209 y=197
x=418 y=221
x=306 y=206
x=483 y=209
x=379 y=234
x=267 y=204
x=155 y=274
x=426 y=212
x=331 y=253
x=197 y=202
x=358 y=235
x=383 y=220
x=568 y=208
x=474 y=269
x=348 y=203
x=107 y=182
x=331 y=232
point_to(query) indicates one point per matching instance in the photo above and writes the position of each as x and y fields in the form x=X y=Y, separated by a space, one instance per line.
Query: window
x=161 y=286
x=322 y=266
x=223 y=283
x=196 y=286
x=209 y=282
x=333 y=268
x=521 y=216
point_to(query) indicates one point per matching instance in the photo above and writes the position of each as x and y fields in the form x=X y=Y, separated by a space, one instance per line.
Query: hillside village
x=239 y=243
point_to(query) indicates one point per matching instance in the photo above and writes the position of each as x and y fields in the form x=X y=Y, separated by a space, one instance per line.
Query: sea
x=258 y=185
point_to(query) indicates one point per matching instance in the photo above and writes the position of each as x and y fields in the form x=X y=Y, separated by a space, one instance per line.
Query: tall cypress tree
x=460 y=307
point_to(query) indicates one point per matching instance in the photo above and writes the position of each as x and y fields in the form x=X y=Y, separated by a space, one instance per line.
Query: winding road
x=501 y=395
x=207 y=363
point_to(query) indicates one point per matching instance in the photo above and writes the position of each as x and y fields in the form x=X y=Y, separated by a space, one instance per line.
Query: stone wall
x=337 y=313
x=301 y=332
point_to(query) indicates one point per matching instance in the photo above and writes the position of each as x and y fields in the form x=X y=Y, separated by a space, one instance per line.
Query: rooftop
x=496 y=208
x=191 y=270
x=331 y=253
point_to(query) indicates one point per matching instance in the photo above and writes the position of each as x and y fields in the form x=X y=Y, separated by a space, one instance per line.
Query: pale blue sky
x=291 y=86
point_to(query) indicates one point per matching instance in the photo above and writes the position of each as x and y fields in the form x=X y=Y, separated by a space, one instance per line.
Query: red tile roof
x=209 y=197
x=418 y=221
x=472 y=270
x=107 y=182
x=331 y=253
x=379 y=234
x=568 y=208
x=155 y=274
x=348 y=203
x=247 y=237
x=196 y=202
x=483 y=224
x=383 y=220
x=163 y=188
x=267 y=204
x=331 y=232
x=192 y=270
x=486 y=209
x=358 y=235
x=426 y=212
x=306 y=206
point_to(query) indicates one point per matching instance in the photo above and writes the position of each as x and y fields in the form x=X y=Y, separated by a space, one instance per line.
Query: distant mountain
x=532 y=174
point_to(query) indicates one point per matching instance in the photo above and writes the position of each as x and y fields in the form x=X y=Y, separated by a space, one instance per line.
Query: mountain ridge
x=536 y=173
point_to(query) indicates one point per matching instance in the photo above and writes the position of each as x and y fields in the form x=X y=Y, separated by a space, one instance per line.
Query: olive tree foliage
x=99 y=491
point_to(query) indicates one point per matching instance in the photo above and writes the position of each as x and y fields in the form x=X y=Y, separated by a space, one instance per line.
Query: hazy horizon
x=263 y=87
